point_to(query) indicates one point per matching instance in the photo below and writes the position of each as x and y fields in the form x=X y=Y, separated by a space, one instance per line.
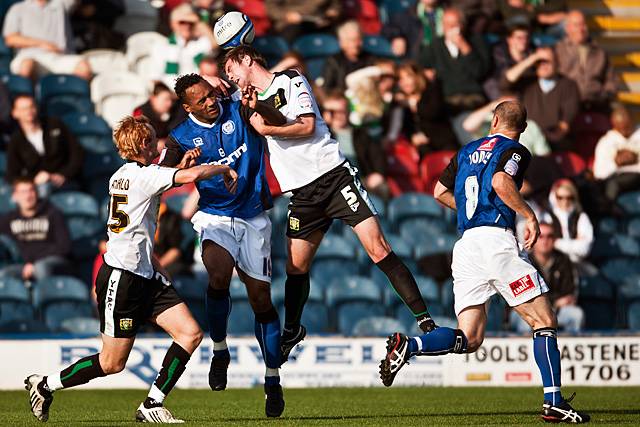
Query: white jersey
x=298 y=161
x=134 y=192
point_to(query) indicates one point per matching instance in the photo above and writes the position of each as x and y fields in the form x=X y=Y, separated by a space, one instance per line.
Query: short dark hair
x=19 y=95
x=512 y=115
x=159 y=87
x=238 y=53
x=518 y=27
x=185 y=82
x=22 y=180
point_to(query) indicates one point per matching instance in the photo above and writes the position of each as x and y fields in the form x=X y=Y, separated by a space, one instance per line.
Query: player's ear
x=186 y=107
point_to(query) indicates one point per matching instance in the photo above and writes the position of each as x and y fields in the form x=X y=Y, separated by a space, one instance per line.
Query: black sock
x=296 y=292
x=173 y=365
x=81 y=372
x=407 y=289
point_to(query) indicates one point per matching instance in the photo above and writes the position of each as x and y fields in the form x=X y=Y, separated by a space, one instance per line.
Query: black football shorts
x=126 y=300
x=338 y=194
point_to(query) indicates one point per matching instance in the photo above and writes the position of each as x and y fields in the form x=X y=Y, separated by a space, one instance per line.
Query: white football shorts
x=488 y=260
x=247 y=240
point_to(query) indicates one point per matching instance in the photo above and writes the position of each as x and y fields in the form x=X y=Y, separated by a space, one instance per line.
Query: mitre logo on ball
x=233 y=29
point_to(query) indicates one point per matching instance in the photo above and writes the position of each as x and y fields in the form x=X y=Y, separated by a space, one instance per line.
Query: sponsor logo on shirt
x=488 y=144
x=511 y=167
x=231 y=158
x=228 y=127
x=522 y=285
x=304 y=100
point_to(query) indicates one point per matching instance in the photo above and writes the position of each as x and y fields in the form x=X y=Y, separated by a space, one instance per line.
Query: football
x=233 y=29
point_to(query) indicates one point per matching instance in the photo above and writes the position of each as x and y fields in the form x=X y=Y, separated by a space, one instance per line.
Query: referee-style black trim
x=173 y=179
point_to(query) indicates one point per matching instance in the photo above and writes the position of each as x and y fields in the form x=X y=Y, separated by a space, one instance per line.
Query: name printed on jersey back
x=479 y=157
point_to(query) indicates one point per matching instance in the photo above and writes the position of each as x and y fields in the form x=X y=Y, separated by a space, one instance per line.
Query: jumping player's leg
x=111 y=360
x=267 y=331
x=219 y=264
x=372 y=238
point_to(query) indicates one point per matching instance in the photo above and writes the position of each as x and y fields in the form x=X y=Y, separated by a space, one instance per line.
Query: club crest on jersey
x=228 y=127
x=488 y=145
x=126 y=324
x=198 y=141
x=522 y=285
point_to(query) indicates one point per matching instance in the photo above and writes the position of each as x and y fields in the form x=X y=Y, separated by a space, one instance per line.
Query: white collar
x=207 y=125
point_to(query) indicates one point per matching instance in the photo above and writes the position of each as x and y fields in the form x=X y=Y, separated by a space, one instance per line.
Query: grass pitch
x=423 y=407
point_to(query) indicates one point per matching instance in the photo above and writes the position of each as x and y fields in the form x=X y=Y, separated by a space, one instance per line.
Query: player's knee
x=379 y=249
x=474 y=341
x=112 y=366
x=261 y=301
x=219 y=280
x=300 y=267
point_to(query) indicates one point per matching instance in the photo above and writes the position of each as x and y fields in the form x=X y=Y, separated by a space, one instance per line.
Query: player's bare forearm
x=444 y=196
x=505 y=188
x=169 y=257
x=302 y=127
x=198 y=173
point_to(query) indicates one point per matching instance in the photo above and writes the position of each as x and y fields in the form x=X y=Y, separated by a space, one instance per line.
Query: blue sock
x=218 y=306
x=267 y=329
x=439 y=341
x=547 y=355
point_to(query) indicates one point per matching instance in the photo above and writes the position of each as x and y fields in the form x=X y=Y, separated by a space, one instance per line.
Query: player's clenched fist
x=189 y=158
x=249 y=97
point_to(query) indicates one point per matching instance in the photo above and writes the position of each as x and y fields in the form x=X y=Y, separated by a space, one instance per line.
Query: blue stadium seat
x=376 y=326
x=630 y=290
x=55 y=313
x=446 y=294
x=335 y=247
x=191 y=288
x=9 y=252
x=15 y=311
x=315 y=66
x=76 y=203
x=80 y=325
x=616 y=245
x=86 y=248
x=3 y=165
x=633 y=316
x=315 y=317
x=377 y=46
x=598 y=315
x=595 y=287
x=349 y=313
x=23 y=326
x=238 y=290
x=242 y=319
x=93 y=133
x=55 y=289
x=325 y=271
x=99 y=165
x=17 y=84
x=271 y=47
x=411 y=205
x=495 y=314
x=633 y=228
x=618 y=269
x=82 y=227
x=12 y=289
x=630 y=202
x=379 y=204
x=63 y=105
x=400 y=245
x=57 y=85
x=428 y=289
x=5 y=53
x=6 y=204
x=543 y=40
x=316 y=45
x=421 y=228
x=442 y=244
x=389 y=8
x=608 y=225
x=352 y=288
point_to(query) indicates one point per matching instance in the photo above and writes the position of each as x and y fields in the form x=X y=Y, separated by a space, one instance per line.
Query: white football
x=233 y=29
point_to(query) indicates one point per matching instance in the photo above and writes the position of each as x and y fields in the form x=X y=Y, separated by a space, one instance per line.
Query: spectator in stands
x=572 y=228
x=350 y=58
x=534 y=14
x=92 y=22
x=5 y=115
x=552 y=101
x=560 y=275
x=581 y=60
x=190 y=40
x=168 y=246
x=40 y=31
x=40 y=233
x=424 y=117
x=513 y=61
x=414 y=28
x=461 y=62
x=210 y=10
x=292 y=18
x=617 y=156
x=44 y=151
x=478 y=123
x=162 y=110
x=291 y=60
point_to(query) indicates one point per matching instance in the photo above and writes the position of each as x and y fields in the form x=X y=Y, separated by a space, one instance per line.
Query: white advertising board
x=337 y=361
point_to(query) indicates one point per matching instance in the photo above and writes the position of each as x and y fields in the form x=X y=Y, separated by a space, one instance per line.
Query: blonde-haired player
x=131 y=286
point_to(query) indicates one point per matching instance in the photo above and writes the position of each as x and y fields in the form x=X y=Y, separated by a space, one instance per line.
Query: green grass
x=331 y=406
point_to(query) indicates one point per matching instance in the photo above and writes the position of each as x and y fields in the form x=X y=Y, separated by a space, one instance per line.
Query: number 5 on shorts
x=349 y=195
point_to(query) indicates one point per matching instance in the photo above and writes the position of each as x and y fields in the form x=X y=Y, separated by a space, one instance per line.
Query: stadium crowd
x=402 y=85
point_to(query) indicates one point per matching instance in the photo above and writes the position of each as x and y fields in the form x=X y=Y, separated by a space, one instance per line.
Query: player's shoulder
x=181 y=129
x=287 y=75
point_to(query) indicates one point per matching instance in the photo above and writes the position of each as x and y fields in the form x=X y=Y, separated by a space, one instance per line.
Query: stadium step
x=618 y=45
x=630 y=81
x=607 y=7
x=632 y=98
x=614 y=23
x=626 y=60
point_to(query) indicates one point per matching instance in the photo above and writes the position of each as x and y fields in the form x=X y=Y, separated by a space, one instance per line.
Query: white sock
x=218 y=346
x=419 y=341
x=272 y=372
x=156 y=394
x=53 y=382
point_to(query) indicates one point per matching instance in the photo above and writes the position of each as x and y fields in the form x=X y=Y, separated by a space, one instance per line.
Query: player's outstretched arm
x=302 y=127
x=270 y=114
x=505 y=187
x=198 y=173
x=444 y=195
